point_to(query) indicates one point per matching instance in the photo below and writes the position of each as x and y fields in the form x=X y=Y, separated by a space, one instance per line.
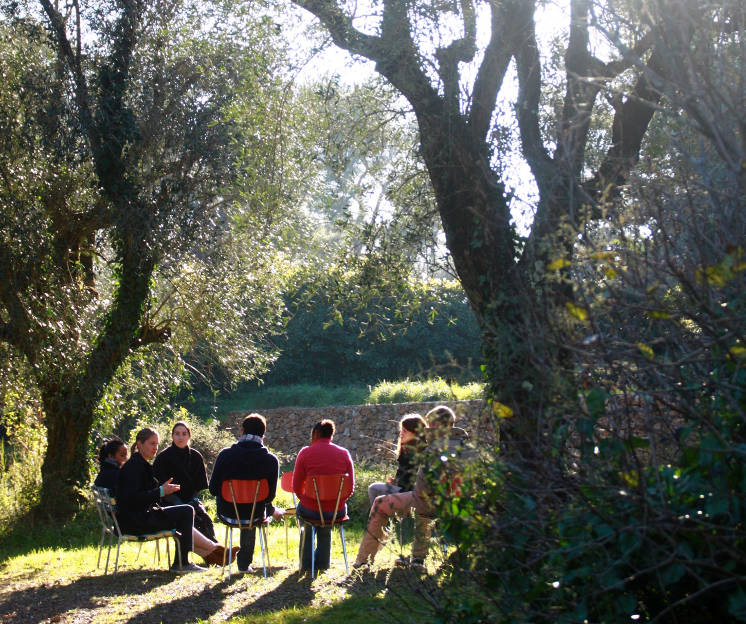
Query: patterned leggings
x=383 y=508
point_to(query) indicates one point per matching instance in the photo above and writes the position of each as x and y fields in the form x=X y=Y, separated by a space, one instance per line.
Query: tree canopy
x=121 y=158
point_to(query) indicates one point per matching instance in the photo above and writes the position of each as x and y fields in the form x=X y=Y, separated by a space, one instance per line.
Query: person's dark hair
x=325 y=428
x=415 y=424
x=108 y=449
x=181 y=423
x=441 y=416
x=144 y=434
x=255 y=424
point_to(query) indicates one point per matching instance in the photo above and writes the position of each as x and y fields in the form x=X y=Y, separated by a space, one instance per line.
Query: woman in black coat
x=138 y=505
x=186 y=467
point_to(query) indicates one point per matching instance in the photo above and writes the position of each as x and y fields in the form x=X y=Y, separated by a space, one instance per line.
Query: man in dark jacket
x=247 y=459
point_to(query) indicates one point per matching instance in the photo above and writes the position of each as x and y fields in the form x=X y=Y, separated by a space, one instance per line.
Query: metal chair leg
x=108 y=552
x=262 y=544
x=116 y=562
x=344 y=547
x=313 y=551
x=287 y=552
x=225 y=549
x=301 y=546
x=230 y=552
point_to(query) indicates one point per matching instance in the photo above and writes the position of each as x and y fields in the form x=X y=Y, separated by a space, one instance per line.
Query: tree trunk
x=69 y=416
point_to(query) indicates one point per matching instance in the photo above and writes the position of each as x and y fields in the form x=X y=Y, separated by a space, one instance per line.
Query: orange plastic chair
x=286 y=483
x=241 y=492
x=326 y=488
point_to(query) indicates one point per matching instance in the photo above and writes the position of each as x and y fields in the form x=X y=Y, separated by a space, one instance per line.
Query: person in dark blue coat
x=248 y=458
x=111 y=457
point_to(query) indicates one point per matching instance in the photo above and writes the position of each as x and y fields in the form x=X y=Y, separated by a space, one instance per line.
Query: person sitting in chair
x=185 y=466
x=139 y=511
x=322 y=457
x=111 y=457
x=409 y=450
x=444 y=439
x=248 y=458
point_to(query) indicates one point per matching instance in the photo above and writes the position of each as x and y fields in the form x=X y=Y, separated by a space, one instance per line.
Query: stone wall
x=369 y=432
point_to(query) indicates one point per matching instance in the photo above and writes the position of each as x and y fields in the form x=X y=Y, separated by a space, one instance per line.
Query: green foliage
x=208 y=437
x=342 y=330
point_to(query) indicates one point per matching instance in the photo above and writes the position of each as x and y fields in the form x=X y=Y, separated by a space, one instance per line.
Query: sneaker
x=417 y=564
x=249 y=570
x=187 y=567
x=402 y=561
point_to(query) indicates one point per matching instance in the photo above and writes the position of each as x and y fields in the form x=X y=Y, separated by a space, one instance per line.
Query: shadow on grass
x=39 y=603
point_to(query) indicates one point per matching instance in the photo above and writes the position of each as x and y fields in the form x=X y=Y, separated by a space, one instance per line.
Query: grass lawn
x=49 y=574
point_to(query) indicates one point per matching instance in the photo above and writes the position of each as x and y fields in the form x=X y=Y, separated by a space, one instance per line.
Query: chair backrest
x=244 y=491
x=326 y=488
x=286 y=481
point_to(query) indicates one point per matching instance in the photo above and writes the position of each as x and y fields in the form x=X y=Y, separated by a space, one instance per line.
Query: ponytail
x=108 y=448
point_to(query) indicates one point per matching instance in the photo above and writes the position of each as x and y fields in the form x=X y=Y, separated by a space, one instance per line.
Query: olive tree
x=121 y=156
x=581 y=117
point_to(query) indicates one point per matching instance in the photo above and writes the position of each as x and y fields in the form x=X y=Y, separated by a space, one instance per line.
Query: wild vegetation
x=579 y=169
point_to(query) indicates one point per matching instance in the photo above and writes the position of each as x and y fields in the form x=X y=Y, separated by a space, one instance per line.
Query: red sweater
x=322 y=457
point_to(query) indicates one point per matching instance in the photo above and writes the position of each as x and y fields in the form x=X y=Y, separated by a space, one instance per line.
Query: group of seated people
x=156 y=491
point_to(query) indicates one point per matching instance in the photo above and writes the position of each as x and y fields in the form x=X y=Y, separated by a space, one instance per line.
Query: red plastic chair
x=286 y=483
x=326 y=489
x=242 y=492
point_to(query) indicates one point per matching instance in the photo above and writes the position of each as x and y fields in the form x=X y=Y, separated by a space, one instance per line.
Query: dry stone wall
x=369 y=432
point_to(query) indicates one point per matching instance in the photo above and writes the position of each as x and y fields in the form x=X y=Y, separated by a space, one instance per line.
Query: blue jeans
x=323 y=537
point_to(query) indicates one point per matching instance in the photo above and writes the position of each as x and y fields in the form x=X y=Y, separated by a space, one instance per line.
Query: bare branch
x=492 y=70
x=458 y=51
x=529 y=80
x=630 y=124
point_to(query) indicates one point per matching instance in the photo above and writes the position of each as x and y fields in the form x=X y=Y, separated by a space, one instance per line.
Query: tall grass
x=408 y=391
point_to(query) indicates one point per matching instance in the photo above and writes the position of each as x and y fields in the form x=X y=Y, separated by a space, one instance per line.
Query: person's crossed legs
x=383 y=508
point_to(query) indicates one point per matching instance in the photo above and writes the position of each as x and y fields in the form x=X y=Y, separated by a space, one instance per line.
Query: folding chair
x=326 y=488
x=241 y=492
x=106 y=506
x=286 y=483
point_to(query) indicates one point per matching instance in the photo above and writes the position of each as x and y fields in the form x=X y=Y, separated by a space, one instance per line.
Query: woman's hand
x=170 y=488
x=390 y=480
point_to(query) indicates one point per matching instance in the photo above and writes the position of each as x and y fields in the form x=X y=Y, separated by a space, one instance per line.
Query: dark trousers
x=323 y=537
x=202 y=520
x=179 y=517
x=246 y=554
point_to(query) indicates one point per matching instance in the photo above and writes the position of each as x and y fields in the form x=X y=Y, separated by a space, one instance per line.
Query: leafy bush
x=424 y=328
x=412 y=391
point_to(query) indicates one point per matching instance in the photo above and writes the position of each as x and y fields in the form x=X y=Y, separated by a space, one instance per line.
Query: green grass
x=218 y=405
x=49 y=573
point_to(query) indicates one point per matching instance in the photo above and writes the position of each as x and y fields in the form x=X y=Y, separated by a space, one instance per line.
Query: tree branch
x=340 y=27
x=73 y=62
x=494 y=64
x=529 y=80
x=630 y=124
x=458 y=51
